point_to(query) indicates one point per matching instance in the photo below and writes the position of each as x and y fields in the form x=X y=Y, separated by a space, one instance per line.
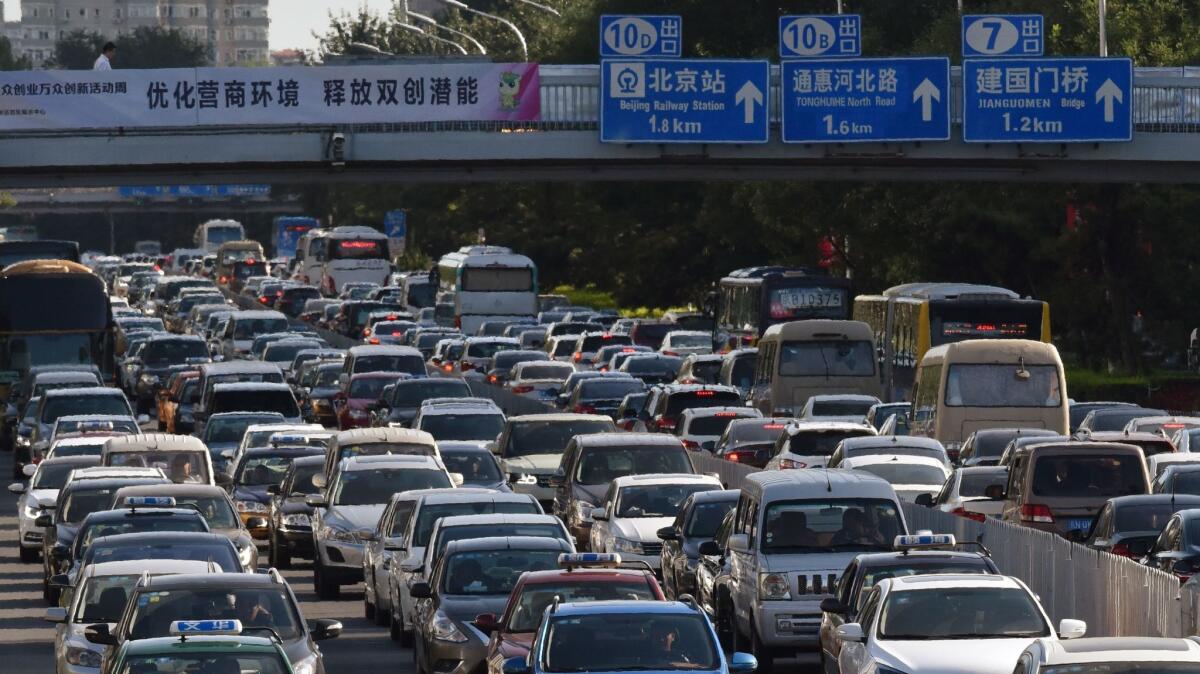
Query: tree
x=160 y=48
x=76 y=50
x=10 y=61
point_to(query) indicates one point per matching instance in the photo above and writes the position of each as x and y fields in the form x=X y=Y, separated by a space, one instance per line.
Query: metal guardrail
x=1114 y=595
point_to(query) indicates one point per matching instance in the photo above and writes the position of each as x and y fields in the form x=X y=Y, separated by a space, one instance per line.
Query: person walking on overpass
x=104 y=61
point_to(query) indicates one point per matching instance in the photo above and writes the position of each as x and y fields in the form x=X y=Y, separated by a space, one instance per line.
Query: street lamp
x=551 y=10
x=429 y=20
x=414 y=29
x=511 y=26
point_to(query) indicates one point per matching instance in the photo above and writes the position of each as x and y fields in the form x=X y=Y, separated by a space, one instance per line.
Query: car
x=254 y=473
x=478 y=353
x=259 y=435
x=591 y=343
x=750 y=440
x=923 y=553
x=1127 y=526
x=530 y=448
x=100 y=598
x=63 y=402
x=603 y=357
x=223 y=432
x=46 y=479
x=258 y=397
x=474 y=576
x=1109 y=654
x=879 y=413
x=213 y=549
x=668 y=402
x=86 y=445
x=701 y=369
x=360 y=442
x=1078 y=411
x=581 y=577
x=360 y=394
x=627 y=636
x=1166 y=426
x=901 y=445
x=502 y=363
x=460 y=421
x=538 y=380
x=699 y=516
x=1185 y=439
x=650 y=368
x=629 y=515
x=217 y=508
x=408 y=395
x=283 y=352
x=348 y=509
x=686 y=342
x=810 y=444
x=1178 y=479
x=252 y=601
x=1025 y=440
x=320 y=392
x=289 y=521
x=965 y=493
x=844 y=407
x=700 y=427
x=1176 y=550
x=979 y=622
x=1152 y=443
x=627 y=412
x=601 y=394
x=478 y=466
x=910 y=476
x=1114 y=418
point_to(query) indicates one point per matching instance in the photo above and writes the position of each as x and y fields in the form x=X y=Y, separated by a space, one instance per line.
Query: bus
x=310 y=250
x=750 y=300
x=488 y=287
x=12 y=252
x=213 y=233
x=286 y=233
x=53 y=312
x=353 y=255
x=801 y=359
x=910 y=319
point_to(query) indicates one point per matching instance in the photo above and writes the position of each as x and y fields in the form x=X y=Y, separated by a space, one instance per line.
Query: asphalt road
x=27 y=641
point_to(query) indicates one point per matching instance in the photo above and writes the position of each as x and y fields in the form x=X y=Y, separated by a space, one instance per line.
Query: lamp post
x=1102 y=10
x=414 y=29
x=509 y=24
x=466 y=36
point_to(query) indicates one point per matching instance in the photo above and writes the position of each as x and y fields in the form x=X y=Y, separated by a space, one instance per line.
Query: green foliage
x=77 y=50
x=587 y=296
x=145 y=47
x=9 y=60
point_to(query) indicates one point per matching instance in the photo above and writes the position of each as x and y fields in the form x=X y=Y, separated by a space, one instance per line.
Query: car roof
x=651 y=479
x=375 y=462
x=714 y=495
x=168 y=646
x=497 y=518
x=151 y=566
x=877 y=459
x=622 y=606
x=583 y=575
x=876 y=560
x=67 y=376
x=873 y=441
x=202 y=580
x=743 y=412
x=141 y=537
x=506 y=543
x=806 y=426
x=116 y=483
x=557 y=416
x=460 y=408
x=856 y=397
x=173 y=490
x=619 y=439
x=1117 y=436
x=83 y=391
x=950 y=580
x=462 y=495
x=251 y=386
x=1122 y=649
x=121 y=512
x=154 y=442
x=383 y=350
x=833 y=483
x=243 y=413
x=384 y=434
x=1183 y=500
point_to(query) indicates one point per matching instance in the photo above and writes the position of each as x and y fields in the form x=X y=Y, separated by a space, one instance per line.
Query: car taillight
x=584 y=409
x=264 y=299
x=1036 y=512
x=224 y=279
x=578 y=356
x=373 y=340
x=493 y=378
x=665 y=423
x=787 y=464
x=366 y=332
x=448 y=367
x=963 y=512
x=691 y=444
x=704 y=394
x=522 y=389
x=726 y=414
x=741 y=456
x=466 y=365
x=669 y=353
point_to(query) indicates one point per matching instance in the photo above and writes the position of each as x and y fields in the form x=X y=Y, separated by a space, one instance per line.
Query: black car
x=478 y=466
x=1177 y=548
x=652 y=368
x=603 y=395
x=131 y=519
x=697 y=522
x=984 y=448
x=257 y=471
x=1128 y=525
x=750 y=441
x=289 y=527
x=318 y=397
x=503 y=361
x=408 y=396
x=293 y=299
x=157 y=358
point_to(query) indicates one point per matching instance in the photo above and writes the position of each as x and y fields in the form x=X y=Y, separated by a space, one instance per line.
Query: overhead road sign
x=1003 y=35
x=642 y=36
x=684 y=101
x=193 y=191
x=1059 y=100
x=820 y=36
x=866 y=100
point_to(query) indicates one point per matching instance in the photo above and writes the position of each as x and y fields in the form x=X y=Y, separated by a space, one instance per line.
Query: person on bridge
x=104 y=61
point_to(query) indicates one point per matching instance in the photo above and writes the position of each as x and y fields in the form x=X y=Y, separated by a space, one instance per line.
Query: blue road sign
x=820 y=36
x=193 y=191
x=641 y=36
x=1003 y=34
x=1055 y=100
x=684 y=101
x=866 y=100
x=395 y=224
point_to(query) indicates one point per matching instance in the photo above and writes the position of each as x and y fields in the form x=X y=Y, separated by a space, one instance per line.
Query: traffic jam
x=518 y=485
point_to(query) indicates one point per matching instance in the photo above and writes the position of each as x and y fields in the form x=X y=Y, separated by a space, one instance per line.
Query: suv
x=671 y=400
x=809 y=444
x=449 y=420
x=591 y=462
x=407 y=396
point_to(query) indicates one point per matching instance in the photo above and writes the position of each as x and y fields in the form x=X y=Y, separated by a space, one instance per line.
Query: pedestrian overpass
x=564 y=146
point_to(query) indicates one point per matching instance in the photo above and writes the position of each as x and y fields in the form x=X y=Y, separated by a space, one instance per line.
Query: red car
x=585 y=576
x=359 y=394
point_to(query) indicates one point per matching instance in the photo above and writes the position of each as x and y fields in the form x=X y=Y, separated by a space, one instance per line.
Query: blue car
x=627 y=636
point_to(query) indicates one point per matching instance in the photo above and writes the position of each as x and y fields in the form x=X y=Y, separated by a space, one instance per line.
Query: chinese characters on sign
x=820 y=36
x=1003 y=35
x=641 y=36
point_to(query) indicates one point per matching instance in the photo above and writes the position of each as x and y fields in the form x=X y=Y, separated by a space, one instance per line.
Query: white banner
x=75 y=99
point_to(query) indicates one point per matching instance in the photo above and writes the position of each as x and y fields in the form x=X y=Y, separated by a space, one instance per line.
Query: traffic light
x=827 y=251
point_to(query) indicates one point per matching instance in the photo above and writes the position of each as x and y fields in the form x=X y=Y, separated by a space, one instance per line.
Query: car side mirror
x=487 y=623
x=316 y=501
x=420 y=590
x=994 y=492
x=1071 y=629
x=710 y=549
x=517 y=665
x=925 y=500
x=44 y=521
x=833 y=605
x=325 y=628
x=742 y=662
x=56 y=614
x=17 y=488
x=29 y=469
x=599 y=515
x=666 y=534
x=739 y=543
x=100 y=634
x=851 y=633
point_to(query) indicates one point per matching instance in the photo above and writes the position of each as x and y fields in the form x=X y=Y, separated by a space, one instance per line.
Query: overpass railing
x=1114 y=595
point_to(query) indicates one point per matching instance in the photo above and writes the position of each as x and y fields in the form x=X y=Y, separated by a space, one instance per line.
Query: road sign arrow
x=749 y=95
x=1108 y=92
x=927 y=92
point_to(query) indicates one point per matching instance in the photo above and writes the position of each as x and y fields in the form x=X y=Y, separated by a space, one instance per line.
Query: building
x=236 y=31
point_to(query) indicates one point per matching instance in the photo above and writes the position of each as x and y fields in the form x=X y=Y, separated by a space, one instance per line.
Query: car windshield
x=327 y=376
x=104 y=598
x=255 y=607
x=826 y=359
x=409 y=364
x=249 y=328
x=527 y=438
x=831 y=525
x=872 y=576
x=1010 y=385
x=286 y=353
x=656 y=500
x=557 y=372
x=820 y=443
x=601 y=465
x=1142 y=517
x=476 y=467
x=135 y=525
x=841 y=408
x=89 y=404
x=706 y=517
x=742 y=374
x=369 y=388
x=961 y=613
x=180 y=467
x=711 y=425
x=264 y=470
x=1073 y=475
x=80 y=502
x=906 y=473
x=254 y=400
x=93 y=448
x=609 y=389
x=678 y=402
x=463 y=426
x=487 y=349
x=221 y=553
x=608 y=642
x=530 y=607
x=430 y=514
x=231 y=429
x=53 y=475
x=376 y=486
x=648 y=365
x=493 y=572
x=413 y=394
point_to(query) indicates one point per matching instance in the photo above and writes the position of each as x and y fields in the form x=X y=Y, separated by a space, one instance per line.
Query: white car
x=49 y=476
x=1186 y=438
x=963 y=494
x=538 y=380
x=1110 y=654
x=910 y=476
x=84 y=445
x=938 y=624
x=100 y=598
x=686 y=342
x=259 y=435
x=809 y=444
x=701 y=427
x=838 y=407
x=636 y=507
x=1166 y=425
x=1156 y=464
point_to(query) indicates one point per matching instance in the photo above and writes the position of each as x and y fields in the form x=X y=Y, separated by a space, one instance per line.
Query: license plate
x=810 y=298
x=1079 y=524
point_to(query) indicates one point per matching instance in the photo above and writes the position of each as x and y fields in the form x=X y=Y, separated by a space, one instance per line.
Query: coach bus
x=488 y=286
x=750 y=300
x=353 y=255
x=52 y=312
x=910 y=319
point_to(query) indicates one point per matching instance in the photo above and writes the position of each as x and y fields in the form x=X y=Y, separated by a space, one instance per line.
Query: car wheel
x=369 y=610
x=29 y=555
x=761 y=652
x=396 y=629
x=278 y=554
x=324 y=588
x=726 y=627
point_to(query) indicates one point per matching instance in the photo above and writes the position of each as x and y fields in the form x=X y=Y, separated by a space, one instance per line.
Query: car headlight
x=773 y=586
x=251 y=507
x=245 y=554
x=31 y=511
x=306 y=666
x=443 y=629
x=341 y=535
x=149 y=379
x=297 y=520
x=82 y=657
x=320 y=403
x=627 y=546
x=583 y=511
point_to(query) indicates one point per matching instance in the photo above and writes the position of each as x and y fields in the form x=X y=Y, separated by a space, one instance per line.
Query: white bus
x=310 y=254
x=353 y=255
x=213 y=233
x=489 y=286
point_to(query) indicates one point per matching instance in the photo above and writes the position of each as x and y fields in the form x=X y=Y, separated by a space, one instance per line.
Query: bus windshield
x=27 y=351
x=826 y=359
x=12 y=252
x=497 y=279
x=216 y=236
x=1008 y=385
